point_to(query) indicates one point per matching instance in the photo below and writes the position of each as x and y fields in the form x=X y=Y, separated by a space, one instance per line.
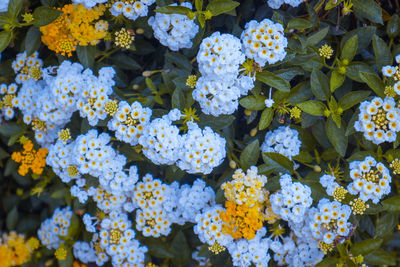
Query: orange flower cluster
x=30 y=159
x=75 y=26
x=15 y=250
x=241 y=221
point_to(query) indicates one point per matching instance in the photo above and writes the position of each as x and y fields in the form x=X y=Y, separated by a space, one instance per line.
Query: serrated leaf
x=366 y=246
x=368 y=9
x=392 y=204
x=317 y=37
x=273 y=80
x=266 y=118
x=385 y=225
x=253 y=102
x=319 y=84
x=364 y=35
x=350 y=48
x=219 y=7
x=44 y=15
x=336 y=137
x=250 y=154
x=353 y=98
x=313 y=107
x=374 y=82
x=383 y=56
x=281 y=160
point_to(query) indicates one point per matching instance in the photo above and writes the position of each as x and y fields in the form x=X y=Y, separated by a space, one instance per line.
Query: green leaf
x=158 y=248
x=178 y=99
x=5 y=38
x=319 y=84
x=216 y=123
x=393 y=26
x=86 y=55
x=366 y=246
x=337 y=80
x=125 y=62
x=364 y=36
x=313 y=107
x=9 y=129
x=218 y=7
x=250 y=154
x=385 y=226
x=317 y=37
x=336 y=136
x=299 y=24
x=266 y=118
x=199 y=5
x=151 y=85
x=14 y=7
x=281 y=160
x=12 y=218
x=174 y=10
x=381 y=257
x=392 y=204
x=350 y=48
x=368 y=9
x=68 y=260
x=180 y=250
x=353 y=98
x=383 y=56
x=328 y=262
x=253 y=102
x=179 y=60
x=273 y=80
x=44 y=15
x=32 y=40
x=374 y=82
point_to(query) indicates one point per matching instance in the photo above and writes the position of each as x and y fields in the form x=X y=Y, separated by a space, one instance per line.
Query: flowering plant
x=200 y=133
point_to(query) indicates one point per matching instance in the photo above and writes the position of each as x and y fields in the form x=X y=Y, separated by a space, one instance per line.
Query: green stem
x=109 y=53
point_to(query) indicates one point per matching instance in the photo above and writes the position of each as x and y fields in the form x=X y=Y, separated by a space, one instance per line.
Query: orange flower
x=30 y=159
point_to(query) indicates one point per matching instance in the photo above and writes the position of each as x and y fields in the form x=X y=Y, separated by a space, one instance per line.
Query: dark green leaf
x=336 y=136
x=319 y=84
x=364 y=35
x=250 y=154
x=68 y=261
x=178 y=99
x=273 y=80
x=383 y=56
x=218 y=7
x=299 y=24
x=317 y=37
x=14 y=7
x=266 y=118
x=368 y=9
x=393 y=26
x=385 y=226
x=392 y=204
x=281 y=160
x=374 y=82
x=217 y=123
x=381 y=258
x=45 y=15
x=174 y=10
x=179 y=60
x=86 y=55
x=350 y=48
x=181 y=250
x=253 y=102
x=10 y=129
x=353 y=98
x=366 y=246
x=337 y=80
x=12 y=218
x=5 y=38
x=313 y=107
x=32 y=40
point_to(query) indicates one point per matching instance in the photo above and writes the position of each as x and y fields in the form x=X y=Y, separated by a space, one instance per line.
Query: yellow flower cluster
x=76 y=25
x=241 y=221
x=326 y=51
x=30 y=159
x=15 y=250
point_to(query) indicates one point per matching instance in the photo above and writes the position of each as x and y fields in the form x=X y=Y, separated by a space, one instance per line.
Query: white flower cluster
x=221 y=96
x=201 y=151
x=158 y=206
x=89 y=3
x=292 y=201
x=220 y=86
x=131 y=9
x=27 y=67
x=54 y=229
x=275 y=4
x=329 y=182
x=115 y=240
x=129 y=121
x=8 y=100
x=371 y=179
x=379 y=120
x=294 y=251
x=329 y=221
x=393 y=72
x=194 y=199
x=264 y=41
x=48 y=104
x=245 y=252
x=282 y=140
x=174 y=30
x=209 y=227
x=84 y=252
